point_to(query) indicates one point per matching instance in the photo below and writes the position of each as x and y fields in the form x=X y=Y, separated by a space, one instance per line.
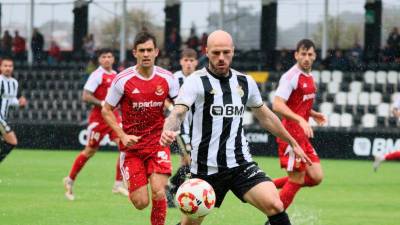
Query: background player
x=393 y=155
x=94 y=92
x=294 y=99
x=188 y=62
x=9 y=97
x=141 y=92
x=220 y=152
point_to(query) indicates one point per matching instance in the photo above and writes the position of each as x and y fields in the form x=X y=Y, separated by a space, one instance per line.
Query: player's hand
x=307 y=128
x=298 y=151
x=167 y=137
x=129 y=140
x=319 y=118
x=22 y=101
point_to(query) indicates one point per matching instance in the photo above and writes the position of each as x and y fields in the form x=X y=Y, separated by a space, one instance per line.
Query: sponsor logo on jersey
x=149 y=104
x=228 y=110
x=159 y=90
x=213 y=92
x=308 y=97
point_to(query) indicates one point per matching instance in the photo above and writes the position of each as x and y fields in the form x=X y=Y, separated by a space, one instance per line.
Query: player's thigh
x=95 y=133
x=265 y=197
x=133 y=171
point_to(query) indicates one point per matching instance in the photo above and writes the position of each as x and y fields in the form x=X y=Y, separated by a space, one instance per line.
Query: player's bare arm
x=88 y=97
x=279 y=106
x=172 y=124
x=318 y=117
x=22 y=101
x=109 y=117
x=269 y=121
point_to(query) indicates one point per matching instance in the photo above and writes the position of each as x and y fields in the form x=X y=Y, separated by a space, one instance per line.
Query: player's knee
x=140 y=203
x=158 y=194
x=318 y=179
x=275 y=207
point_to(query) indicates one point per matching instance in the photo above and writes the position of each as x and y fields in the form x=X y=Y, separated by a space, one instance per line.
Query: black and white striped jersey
x=185 y=127
x=8 y=93
x=218 y=139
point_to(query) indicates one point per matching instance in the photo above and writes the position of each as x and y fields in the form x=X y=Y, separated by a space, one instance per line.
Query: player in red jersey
x=392 y=155
x=294 y=99
x=141 y=91
x=94 y=92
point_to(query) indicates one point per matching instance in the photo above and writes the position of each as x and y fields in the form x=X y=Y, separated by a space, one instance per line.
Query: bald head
x=218 y=38
x=220 y=52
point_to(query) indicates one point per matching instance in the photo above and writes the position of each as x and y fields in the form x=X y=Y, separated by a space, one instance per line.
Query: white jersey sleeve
x=287 y=84
x=254 y=99
x=94 y=81
x=188 y=92
x=173 y=84
x=115 y=92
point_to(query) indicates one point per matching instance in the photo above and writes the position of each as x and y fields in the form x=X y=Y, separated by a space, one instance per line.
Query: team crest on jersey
x=108 y=80
x=159 y=90
x=240 y=90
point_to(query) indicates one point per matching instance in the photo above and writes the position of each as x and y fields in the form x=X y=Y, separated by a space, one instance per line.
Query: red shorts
x=137 y=166
x=96 y=132
x=288 y=159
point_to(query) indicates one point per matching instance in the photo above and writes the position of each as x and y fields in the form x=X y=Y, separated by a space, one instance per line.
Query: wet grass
x=31 y=193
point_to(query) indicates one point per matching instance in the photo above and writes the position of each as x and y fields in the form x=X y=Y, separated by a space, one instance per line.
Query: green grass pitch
x=31 y=193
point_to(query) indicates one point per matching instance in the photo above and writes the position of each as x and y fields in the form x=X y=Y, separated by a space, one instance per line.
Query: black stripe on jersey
x=180 y=79
x=226 y=126
x=1 y=97
x=242 y=81
x=206 y=131
x=192 y=110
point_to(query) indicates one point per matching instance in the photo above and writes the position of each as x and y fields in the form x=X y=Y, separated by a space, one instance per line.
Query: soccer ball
x=195 y=198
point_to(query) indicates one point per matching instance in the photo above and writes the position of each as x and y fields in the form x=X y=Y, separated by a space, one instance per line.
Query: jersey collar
x=219 y=77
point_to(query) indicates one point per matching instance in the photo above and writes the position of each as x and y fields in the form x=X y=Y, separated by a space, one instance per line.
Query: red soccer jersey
x=98 y=83
x=142 y=103
x=299 y=89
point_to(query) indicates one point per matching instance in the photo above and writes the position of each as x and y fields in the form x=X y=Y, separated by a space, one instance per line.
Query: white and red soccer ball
x=195 y=198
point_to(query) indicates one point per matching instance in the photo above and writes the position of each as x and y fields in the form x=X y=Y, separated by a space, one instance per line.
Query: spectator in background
x=89 y=46
x=173 y=43
x=54 y=53
x=283 y=61
x=393 y=41
x=19 y=47
x=37 y=45
x=6 y=44
x=193 y=41
x=356 y=56
x=203 y=43
x=338 y=61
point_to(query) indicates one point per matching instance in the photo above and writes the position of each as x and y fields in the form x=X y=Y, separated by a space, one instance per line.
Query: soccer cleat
x=377 y=162
x=68 y=183
x=119 y=188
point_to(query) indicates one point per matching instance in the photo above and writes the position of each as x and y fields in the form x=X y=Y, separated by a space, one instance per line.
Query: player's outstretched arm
x=172 y=124
x=279 y=106
x=88 y=97
x=269 y=121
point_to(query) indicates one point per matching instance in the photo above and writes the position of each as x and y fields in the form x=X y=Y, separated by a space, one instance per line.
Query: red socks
x=288 y=192
x=78 y=165
x=279 y=182
x=393 y=156
x=118 y=175
x=158 y=212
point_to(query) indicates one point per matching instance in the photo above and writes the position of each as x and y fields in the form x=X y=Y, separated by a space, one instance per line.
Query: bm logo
x=228 y=110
